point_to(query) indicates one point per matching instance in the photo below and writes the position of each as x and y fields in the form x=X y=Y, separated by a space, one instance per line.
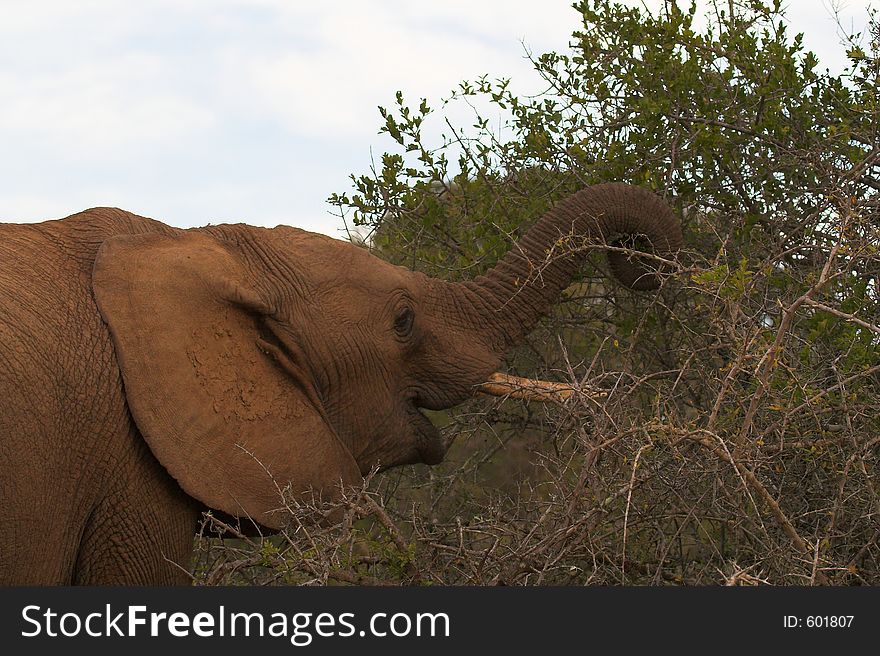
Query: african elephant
x=148 y=373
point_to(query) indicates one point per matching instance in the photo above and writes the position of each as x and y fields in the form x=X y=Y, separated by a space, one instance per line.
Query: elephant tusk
x=535 y=390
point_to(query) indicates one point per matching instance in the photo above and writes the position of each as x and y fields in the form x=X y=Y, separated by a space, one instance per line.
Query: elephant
x=149 y=373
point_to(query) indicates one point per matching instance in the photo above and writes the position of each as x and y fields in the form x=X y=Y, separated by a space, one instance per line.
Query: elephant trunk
x=505 y=304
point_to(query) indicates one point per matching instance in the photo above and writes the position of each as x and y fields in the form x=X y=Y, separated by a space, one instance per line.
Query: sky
x=212 y=111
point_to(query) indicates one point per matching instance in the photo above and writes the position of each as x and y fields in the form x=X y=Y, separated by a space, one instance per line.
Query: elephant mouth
x=430 y=445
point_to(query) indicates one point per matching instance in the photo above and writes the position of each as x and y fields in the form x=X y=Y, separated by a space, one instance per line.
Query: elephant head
x=254 y=359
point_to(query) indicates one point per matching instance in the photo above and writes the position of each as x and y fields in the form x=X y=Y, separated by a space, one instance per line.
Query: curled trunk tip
x=528 y=279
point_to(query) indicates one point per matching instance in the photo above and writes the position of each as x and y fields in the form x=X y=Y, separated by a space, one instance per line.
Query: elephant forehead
x=327 y=262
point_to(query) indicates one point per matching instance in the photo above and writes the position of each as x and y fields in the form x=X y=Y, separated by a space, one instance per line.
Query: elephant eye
x=403 y=322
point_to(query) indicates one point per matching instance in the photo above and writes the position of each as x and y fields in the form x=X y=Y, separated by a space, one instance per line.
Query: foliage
x=737 y=437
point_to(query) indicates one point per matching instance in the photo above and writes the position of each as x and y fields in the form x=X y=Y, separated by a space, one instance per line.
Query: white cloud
x=102 y=110
x=357 y=55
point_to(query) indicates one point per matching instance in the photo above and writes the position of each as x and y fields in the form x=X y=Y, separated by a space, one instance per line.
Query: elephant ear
x=227 y=421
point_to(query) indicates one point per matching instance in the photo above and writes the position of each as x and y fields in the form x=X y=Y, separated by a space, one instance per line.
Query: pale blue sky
x=197 y=111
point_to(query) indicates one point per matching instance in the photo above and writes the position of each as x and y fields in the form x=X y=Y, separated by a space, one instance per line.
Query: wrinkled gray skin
x=148 y=373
